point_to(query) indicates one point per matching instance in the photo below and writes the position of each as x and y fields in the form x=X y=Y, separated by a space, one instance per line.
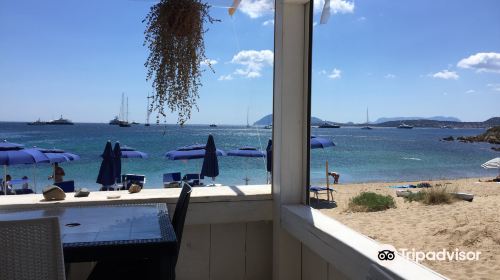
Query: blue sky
x=399 y=58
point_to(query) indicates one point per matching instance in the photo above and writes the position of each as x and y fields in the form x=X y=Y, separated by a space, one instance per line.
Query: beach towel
x=403 y=187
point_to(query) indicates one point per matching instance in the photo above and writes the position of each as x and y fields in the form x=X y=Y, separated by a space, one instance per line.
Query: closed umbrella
x=117 y=161
x=247 y=152
x=269 y=159
x=106 y=176
x=210 y=167
x=12 y=154
x=492 y=164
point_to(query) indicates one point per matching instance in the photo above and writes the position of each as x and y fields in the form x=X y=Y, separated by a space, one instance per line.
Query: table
x=112 y=233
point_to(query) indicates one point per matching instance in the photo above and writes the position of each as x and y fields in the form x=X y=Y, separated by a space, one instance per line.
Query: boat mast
x=367 y=119
x=121 y=117
x=248 y=125
x=148 y=113
x=127 y=110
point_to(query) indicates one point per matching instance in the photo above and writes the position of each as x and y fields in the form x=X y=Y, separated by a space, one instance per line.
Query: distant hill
x=267 y=120
x=436 y=118
x=451 y=124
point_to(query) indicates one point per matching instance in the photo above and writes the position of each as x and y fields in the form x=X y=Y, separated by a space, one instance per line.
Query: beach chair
x=23 y=191
x=66 y=186
x=171 y=180
x=129 y=179
x=31 y=249
x=317 y=189
x=193 y=179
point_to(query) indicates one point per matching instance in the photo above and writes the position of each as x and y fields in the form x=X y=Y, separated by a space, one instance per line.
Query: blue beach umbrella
x=58 y=156
x=117 y=161
x=128 y=152
x=196 y=151
x=13 y=154
x=106 y=176
x=210 y=167
x=247 y=152
x=319 y=142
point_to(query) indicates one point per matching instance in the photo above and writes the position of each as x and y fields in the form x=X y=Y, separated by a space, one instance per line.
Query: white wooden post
x=290 y=127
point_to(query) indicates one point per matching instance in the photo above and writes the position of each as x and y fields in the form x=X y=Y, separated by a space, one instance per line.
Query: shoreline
x=466 y=226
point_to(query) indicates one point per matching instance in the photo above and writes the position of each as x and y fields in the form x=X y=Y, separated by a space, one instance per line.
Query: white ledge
x=352 y=253
x=169 y=195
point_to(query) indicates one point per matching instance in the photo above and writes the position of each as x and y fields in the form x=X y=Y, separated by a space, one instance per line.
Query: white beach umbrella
x=492 y=164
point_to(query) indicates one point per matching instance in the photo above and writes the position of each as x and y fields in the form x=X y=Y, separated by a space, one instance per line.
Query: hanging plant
x=174 y=37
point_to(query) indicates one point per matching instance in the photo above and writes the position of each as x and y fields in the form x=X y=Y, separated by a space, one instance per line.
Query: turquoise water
x=384 y=154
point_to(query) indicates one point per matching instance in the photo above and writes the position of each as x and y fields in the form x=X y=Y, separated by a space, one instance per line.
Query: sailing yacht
x=124 y=114
x=367 y=121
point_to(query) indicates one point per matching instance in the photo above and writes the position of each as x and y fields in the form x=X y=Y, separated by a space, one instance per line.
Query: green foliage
x=432 y=196
x=371 y=202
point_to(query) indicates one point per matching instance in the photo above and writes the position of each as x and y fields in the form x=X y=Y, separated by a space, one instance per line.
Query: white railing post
x=290 y=127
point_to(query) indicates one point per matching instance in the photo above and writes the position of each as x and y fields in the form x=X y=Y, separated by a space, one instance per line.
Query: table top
x=106 y=225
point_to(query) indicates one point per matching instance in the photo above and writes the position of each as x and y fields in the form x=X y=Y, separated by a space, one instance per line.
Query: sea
x=377 y=155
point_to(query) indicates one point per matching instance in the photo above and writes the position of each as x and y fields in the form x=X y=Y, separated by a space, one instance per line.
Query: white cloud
x=268 y=22
x=390 y=76
x=470 y=91
x=335 y=74
x=256 y=8
x=361 y=19
x=336 y=6
x=494 y=87
x=446 y=75
x=482 y=62
x=315 y=23
x=253 y=62
x=445 y=93
x=225 y=77
x=207 y=62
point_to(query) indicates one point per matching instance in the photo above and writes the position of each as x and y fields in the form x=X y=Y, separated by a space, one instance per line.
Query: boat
x=447 y=127
x=269 y=126
x=464 y=196
x=37 y=122
x=124 y=114
x=124 y=124
x=213 y=125
x=405 y=126
x=60 y=121
x=367 y=121
x=403 y=193
x=328 y=125
x=115 y=121
x=135 y=123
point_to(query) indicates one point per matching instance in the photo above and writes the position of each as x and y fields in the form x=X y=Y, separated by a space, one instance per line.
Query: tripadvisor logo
x=387 y=253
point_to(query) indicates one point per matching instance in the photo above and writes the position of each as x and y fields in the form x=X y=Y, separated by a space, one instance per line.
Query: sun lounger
x=317 y=189
x=193 y=179
x=129 y=179
x=66 y=186
x=171 y=180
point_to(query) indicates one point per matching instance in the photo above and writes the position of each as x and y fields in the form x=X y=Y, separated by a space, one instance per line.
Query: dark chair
x=23 y=191
x=66 y=186
x=135 y=269
x=180 y=215
x=171 y=179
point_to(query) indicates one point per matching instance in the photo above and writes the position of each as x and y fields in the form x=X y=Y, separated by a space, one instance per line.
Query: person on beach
x=7 y=184
x=497 y=179
x=336 y=177
x=58 y=174
x=25 y=182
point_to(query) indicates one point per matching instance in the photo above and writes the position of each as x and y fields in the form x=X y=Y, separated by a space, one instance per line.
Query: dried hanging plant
x=174 y=37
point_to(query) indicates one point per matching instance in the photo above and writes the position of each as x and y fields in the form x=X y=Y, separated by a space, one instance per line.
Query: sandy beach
x=467 y=226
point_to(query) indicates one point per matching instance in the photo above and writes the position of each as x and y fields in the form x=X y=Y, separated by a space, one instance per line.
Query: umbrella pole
x=34 y=177
x=327 y=182
x=5 y=179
